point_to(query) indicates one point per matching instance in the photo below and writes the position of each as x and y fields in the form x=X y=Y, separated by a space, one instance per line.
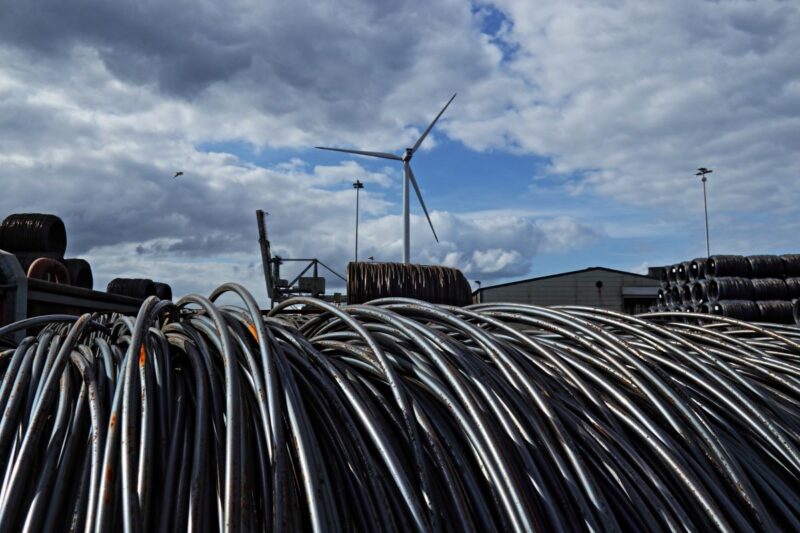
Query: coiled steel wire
x=33 y=232
x=743 y=309
x=683 y=273
x=718 y=266
x=766 y=266
x=791 y=265
x=397 y=415
x=700 y=292
x=697 y=269
x=133 y=287
x=730 y=289
x=776 y=311
x=80 y=272
x=769 y=289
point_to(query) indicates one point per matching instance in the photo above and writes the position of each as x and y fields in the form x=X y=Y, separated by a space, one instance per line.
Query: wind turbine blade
x=428 y=130
x=382 y=155
x=413 y=180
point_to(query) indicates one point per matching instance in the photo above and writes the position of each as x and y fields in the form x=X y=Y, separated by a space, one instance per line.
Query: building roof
x=561 y=274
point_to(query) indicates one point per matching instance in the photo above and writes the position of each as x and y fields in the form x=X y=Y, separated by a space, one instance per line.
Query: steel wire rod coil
x=397 y=415
x=766 y=266
x=718 y=266
x=697 y=269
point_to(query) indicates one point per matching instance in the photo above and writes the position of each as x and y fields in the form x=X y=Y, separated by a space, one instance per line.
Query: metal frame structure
x=279 y=289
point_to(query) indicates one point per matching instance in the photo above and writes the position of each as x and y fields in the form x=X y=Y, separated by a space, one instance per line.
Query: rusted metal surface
x=399 y=415
x=49 y=270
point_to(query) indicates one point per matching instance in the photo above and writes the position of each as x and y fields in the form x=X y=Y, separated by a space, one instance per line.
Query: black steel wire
x=398 y=415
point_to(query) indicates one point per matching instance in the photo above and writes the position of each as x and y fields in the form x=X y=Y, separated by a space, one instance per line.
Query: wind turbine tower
x=408 y=177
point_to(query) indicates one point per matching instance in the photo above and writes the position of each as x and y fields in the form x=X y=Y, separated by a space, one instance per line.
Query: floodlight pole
x=357 y=186
x=702 y=171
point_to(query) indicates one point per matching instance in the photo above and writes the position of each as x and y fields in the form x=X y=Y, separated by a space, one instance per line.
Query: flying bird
x=179 y=173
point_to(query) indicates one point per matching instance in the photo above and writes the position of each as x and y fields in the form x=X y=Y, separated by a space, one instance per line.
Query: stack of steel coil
x=398 y=415
x=139 y=288
x=756 y=287
x=39 y=242
x=432 y=283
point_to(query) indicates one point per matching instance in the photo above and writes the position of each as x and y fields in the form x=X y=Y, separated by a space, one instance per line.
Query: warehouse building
x=601 y=287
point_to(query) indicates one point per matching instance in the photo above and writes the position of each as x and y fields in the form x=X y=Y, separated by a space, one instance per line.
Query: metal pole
x=263 y=244
x=705 y=205
x=702 y=171
x=406 y=217
x=357 y=186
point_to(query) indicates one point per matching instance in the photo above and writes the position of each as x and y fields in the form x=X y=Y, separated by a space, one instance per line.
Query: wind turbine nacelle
x=408 y=154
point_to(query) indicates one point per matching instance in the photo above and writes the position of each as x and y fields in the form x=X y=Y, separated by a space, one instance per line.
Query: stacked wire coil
x=756 y=287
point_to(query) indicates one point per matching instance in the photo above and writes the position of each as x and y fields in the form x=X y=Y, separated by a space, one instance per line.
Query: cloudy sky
x=572 y=141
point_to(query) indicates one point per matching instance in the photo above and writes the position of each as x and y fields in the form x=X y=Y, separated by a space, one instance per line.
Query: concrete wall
x=579 y=288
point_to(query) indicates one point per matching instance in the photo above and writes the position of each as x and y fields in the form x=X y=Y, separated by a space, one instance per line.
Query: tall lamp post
x=702 y=171
x=357 y=186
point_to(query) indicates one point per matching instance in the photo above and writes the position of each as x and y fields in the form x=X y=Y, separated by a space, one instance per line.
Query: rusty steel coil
x=397 y=415
x=435 y=284
x=50 y=270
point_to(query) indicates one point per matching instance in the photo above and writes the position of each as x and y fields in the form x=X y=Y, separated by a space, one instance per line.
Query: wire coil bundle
x=39 y=241
x=432 y=283
x=398 y=415
x=755 y=287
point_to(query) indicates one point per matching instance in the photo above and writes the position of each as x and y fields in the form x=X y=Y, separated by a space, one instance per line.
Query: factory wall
x=593 y=287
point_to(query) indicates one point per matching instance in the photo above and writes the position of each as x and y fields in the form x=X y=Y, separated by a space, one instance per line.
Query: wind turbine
x=408 y=177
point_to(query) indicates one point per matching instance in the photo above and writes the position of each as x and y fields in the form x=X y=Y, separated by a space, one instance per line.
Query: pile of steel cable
x=397 y=415
x=757 y=287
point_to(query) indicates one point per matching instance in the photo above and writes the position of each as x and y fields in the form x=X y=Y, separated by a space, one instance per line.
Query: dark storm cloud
x=275 y=56
x=183 y=46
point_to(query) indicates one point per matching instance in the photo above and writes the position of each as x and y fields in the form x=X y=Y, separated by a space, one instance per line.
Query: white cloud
x=101 y=104
x=635 y=95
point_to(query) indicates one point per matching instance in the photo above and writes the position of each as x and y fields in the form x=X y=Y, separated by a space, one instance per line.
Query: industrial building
x=601 y=287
